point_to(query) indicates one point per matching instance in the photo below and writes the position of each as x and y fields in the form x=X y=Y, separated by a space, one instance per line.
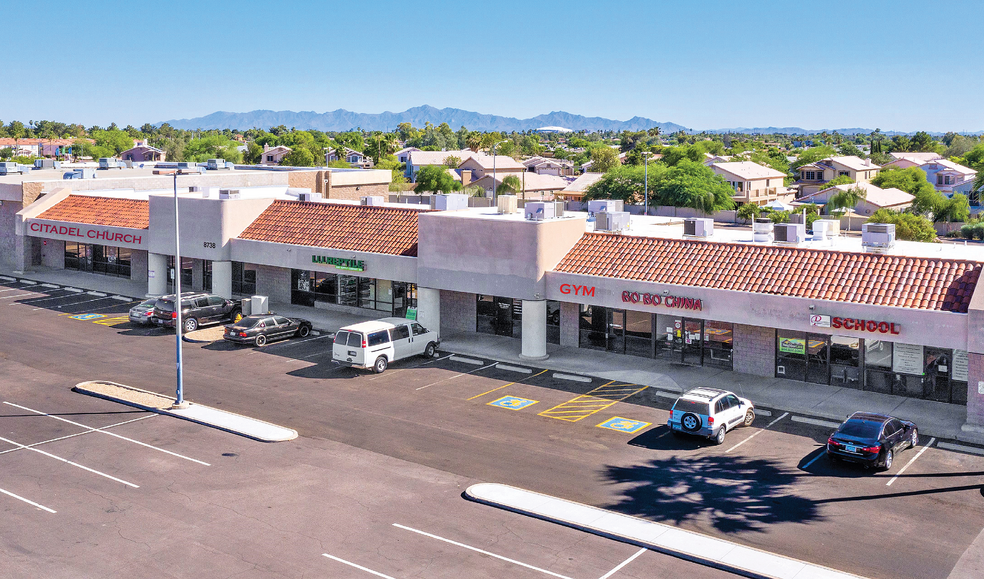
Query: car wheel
x=236 y=316
x=722 y=433
x=380 y=366
x=914 y=441
x=304 y=331
x=888 y=459
x=261 y=340
x=190 y=325
x=690 y=421
x=749 y=417
x=555 y=318
x=430 y=350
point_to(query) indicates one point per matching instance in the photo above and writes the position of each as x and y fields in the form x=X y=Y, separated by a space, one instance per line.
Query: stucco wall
x=138 y=266
x=8 y=219
x=458 y=311
x=356 y=192
x=975 y=380
x=273 y=282
x=569 y=324
x=206 y=225
x=53 y=253
x=754 y=350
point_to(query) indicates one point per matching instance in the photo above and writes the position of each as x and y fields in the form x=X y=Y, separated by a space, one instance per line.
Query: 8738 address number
x=209 y=244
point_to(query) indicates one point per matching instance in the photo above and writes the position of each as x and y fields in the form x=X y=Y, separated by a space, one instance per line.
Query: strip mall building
x=906 y=322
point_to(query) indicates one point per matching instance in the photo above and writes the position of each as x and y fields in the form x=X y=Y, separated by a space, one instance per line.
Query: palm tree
x=847 y=200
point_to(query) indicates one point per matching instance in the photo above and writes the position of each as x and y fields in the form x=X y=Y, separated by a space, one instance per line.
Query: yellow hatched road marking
x=504 y=385
x=112 y=321
x=602 y=397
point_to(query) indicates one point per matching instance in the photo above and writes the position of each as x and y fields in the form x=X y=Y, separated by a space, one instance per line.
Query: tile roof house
x=108 y=211
x=40 y=147
x=352 y=157
x=812 y=176
x=273 y=155
x=752 y=183
x=479 y=165
x=533 y=186
x=142 y=152
x=576 y=190
x=875 y=198
x=361 y=228
x=403 y=155
x=906 y=160
x=886 y=280
x=545 y=166
x=949 y=177
x=416 y=160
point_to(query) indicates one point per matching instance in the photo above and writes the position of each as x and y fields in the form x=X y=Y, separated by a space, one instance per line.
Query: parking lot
x=382 y=460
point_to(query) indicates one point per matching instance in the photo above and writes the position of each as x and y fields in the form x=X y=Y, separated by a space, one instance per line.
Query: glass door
x=616 y=331
x=791 y=355
x=818 y=359
x=936 y=379
x=693 y=342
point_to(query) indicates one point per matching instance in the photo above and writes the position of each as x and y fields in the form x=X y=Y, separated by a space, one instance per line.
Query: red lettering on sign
x=565 y=288
x=835 y=322
x=883 y=327
x=893 y=330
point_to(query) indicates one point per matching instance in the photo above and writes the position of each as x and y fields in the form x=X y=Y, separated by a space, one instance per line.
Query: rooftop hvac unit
x=370 y=200
x=559 y=208
x=450 y=202
x=215 y=164
x=611 y=220
x=506 y=204
x=698 y=227
x=833 y=226
x=608 y=205
x=875 y=236
x=309 y=197
x=228 y=193
x=47 y=164
x=539 y=210
x=9 y=168
x=790 y=232
x=762 y=230
x=821 y=230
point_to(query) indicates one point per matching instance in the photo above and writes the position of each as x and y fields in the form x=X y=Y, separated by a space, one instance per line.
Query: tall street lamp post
x=493 y=171
x=645 y=162
x=178 y=322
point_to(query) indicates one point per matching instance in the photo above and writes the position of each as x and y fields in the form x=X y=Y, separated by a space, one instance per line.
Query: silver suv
x=710 y=413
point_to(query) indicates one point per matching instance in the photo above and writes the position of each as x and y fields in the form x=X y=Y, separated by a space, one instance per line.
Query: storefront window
x=845 y=361
x=719 y=344
x=639 y=333
x=104 y=260
x=669 y=337
x=791 y=355
x=553 y=322
x=593 y=327
x=404 y=296
x=243 y=280
x=693 y=341
x=499 y=316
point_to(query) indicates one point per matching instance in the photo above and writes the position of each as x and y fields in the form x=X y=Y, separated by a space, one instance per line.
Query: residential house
x=273 y=155
x=752 y=183
x=875 y=198
x=906 y=160
x=350 y=156
x=585 y=167
x=813 y=176
x=480 y=165
x=533 y=185
x=143 y=152
x=710 y=159
x=403 y=155
x=949 y=177
x=575 y=191
x=545 y=166
x=40 y=147
x=416 y=160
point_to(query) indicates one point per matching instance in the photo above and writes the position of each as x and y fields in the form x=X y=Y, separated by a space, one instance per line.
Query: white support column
x=23 y=246
x=429 y=308
x=222 y=279
x=156 y=274
x=534 y=330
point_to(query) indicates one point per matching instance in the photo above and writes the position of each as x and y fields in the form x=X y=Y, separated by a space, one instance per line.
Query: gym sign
x=339 y=262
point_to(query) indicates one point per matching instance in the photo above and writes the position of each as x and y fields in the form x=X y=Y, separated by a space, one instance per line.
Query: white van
x=377 y=343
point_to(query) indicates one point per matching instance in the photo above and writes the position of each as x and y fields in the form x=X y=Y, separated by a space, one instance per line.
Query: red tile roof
x=110 y=211
x=862 y=278
x=349 y=227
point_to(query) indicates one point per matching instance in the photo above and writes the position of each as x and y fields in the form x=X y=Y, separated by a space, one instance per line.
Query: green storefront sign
x=412 y=314
x=792 y=345
x=340 y=262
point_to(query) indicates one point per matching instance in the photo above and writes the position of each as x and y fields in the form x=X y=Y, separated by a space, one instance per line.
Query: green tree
x=511 y=185
x=908 y=227
x=848 y=149
x=691 y=184
x=253 y=154
x=912 y=180
x=299 y=157
x=922 y=141
x=839 y=180
x=436 y=178
x=6 y=153
x=748 y=211
x=811 y=155
x=603 y=159
x=452 y=161
x=113 y=139
x=901 y=144
x=213 y=147
x=954 y=209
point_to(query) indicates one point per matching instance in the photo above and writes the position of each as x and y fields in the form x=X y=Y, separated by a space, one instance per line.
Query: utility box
x=372 y=201
x=698 y=227
x=833 y=226
x=611 y=220
x=506 y=204
x=538 y=210
x=605 y=205
x=247 y=305
x=450 y=202
x=762 y=230
x=877 y=236
x=790 y=232
x=259 y=304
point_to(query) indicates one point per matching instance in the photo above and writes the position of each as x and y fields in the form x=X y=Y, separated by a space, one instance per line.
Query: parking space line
x=100 y=430
x=33 y=444
x=359 y=567
x=73 y=304
x=66 y=461
x=477 y=550
x=456 y=376
x=623 y=563
x=21 y=295
x=32 y=503
x=288 y=343
x=46 y=297
x=814 y=421
x=815 y=458
x=504 y=385
x=100 y=307
x=911 y=460
x=602 y=397
x=437 y=360
x=784 y=414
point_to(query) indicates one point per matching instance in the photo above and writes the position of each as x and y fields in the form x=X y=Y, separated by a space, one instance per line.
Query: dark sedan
x=262 y=328
x=871 y=439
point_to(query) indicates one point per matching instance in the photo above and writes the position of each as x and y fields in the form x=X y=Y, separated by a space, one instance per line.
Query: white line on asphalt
x=456 y=375
x=74 y=290
x=359 y=567
x=66 y=461
x=960 y=448
x=784 y=414
x=669 y=395
x=50 y=285
x=21 y=295
x=92 y=293
x=121 y=298
x=815 y=421
x=763 y=412
x=457 y=358
x=477 y=550
x=12 y=289
x=815 y=458
x=5 y=278
x=32 y=503
x=514 y=368
x=571 y=377
x=437 y=360
x=623 y=564
x=99 y=308
x=73 y=304
x=100 y=430
x=911 y=460
x=45 y=297
x=28 y=282
x=33 y=444
x=290 y=343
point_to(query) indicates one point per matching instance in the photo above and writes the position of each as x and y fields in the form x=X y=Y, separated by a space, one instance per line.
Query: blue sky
x=897 y=65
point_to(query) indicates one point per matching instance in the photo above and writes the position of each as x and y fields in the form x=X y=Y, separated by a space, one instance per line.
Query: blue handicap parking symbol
x=624 y=425
x=512 y=403
x=87 y=316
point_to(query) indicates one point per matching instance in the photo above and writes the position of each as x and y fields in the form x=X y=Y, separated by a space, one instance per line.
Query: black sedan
x=259 y=329
x=871 y=439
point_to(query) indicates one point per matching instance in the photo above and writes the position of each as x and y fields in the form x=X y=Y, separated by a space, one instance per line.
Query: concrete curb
x=206 y=416
x=687 y=545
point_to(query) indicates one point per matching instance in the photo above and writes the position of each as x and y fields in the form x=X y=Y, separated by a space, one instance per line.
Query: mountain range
x=343 y=120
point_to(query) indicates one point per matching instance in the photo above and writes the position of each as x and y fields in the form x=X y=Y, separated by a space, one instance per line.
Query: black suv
x=197 y=309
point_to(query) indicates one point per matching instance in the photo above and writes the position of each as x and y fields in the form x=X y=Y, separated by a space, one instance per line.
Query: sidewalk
x=831 y=403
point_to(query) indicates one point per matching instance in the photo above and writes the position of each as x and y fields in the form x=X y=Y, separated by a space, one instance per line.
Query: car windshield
x=147 y=303
x=248 y=322
x=691 y=406
x=860 y=428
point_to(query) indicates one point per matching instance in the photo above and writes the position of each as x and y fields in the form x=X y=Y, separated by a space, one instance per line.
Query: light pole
x=493 y=171
x=645 y=180
x=178 y=327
